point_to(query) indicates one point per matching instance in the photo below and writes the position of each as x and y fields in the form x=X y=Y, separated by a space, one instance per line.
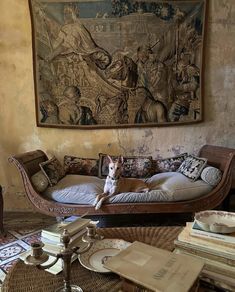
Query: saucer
x=100 y=252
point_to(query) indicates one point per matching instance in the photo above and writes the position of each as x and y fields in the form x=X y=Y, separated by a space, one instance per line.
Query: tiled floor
x=16 y=243
x=21 y=230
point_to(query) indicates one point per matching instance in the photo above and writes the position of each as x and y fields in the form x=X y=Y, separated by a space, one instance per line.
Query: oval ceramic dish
x=101 y=250
x=216 y=221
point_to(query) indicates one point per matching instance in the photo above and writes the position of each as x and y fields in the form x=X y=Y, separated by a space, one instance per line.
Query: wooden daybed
x=220 y=157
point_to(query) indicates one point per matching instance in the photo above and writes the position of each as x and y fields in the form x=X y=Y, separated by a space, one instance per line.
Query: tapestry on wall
x=117 y=63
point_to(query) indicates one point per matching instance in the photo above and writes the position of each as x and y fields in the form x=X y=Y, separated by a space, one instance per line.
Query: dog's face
x=115 y=167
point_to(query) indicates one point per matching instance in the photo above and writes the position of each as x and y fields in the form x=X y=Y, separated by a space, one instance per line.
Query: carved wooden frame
x=221 y=157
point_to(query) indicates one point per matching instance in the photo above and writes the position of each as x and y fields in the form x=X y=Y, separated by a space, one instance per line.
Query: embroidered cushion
x=82 y=166
x=211 y=175
x=169 y=164
x=39 y=181
x=53 y=170
x=192 y=166
x=133 y=166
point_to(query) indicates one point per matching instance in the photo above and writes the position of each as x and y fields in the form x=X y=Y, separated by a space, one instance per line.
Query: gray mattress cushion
x=178 y=186
x=76 y=189
x=169 y=186
x=82 y=190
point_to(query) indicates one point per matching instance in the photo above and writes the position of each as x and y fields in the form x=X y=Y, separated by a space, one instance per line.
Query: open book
x=156 y=269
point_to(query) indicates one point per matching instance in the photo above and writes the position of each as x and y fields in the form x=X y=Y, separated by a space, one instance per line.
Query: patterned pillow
x=81 y=166
x=192 y=166
x=170 y=164
x=133 y=166
x=211 y=175
x=53 y=170
x=39 y=181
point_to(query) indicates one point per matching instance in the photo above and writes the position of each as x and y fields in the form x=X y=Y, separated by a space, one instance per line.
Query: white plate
x=216 y=221
x=101 y=250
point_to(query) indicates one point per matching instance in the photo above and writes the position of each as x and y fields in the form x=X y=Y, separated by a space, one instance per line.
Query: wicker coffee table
x=23 y=278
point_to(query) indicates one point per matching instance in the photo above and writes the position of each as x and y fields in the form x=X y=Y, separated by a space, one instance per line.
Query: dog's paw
x=98 y=197
x=98 y=205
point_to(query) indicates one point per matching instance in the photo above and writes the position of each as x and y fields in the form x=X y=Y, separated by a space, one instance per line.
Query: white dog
x=115 y=183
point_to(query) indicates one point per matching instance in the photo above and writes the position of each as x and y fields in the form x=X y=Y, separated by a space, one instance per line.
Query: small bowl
x=216 y=221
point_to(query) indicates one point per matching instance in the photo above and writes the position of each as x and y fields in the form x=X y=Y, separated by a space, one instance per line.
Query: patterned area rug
x=24 y=229
x=15 y=243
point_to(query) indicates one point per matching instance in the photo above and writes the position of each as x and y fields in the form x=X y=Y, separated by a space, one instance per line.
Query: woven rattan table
x=23 y=278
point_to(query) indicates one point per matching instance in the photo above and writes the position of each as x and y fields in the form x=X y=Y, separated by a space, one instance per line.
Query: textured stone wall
x=17 y=110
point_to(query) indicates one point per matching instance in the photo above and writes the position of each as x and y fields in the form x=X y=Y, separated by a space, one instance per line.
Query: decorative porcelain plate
x=101 y=250
x=216 y=221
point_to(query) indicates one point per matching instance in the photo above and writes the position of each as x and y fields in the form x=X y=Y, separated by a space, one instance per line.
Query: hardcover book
x=209 y=264
x=185 y=236
x=55 y=248
x=55 y=240
x=55 y=231
x=155 y=269
x=218 y=280
x=217 y=237
x=206 y=252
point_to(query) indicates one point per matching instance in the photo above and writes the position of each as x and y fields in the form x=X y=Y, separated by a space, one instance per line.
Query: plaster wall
x=18 y=128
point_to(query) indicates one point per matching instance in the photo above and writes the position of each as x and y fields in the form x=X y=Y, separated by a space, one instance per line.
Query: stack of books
x=51 y=236
x=216 y=250
x=146 y=268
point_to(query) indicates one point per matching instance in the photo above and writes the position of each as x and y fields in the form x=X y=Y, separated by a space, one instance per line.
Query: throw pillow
x=53 y=170
x=192 y=166
x=81 y=166
x=39 y=181
x=133 y=166
x=211 y=175
x=169 y=164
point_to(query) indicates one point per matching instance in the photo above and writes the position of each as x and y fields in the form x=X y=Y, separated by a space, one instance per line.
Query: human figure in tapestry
x=119 y=62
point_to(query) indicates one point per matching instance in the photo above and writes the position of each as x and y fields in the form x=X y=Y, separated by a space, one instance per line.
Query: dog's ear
x=121 y=159
x=110 y=159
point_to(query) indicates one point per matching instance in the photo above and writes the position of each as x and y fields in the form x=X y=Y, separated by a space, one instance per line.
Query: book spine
x=77 y=225
x=218 y=278
x=50 y=236
x=74 y=227
x=205 y=254
x=206 y=248
x=57 y=240
x=46 y=240
x=205 y=243
x=213 y=285
x=211 y=265
x=213 y=236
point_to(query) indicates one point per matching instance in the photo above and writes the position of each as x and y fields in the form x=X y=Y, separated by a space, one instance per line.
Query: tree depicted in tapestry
x=117 y=63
